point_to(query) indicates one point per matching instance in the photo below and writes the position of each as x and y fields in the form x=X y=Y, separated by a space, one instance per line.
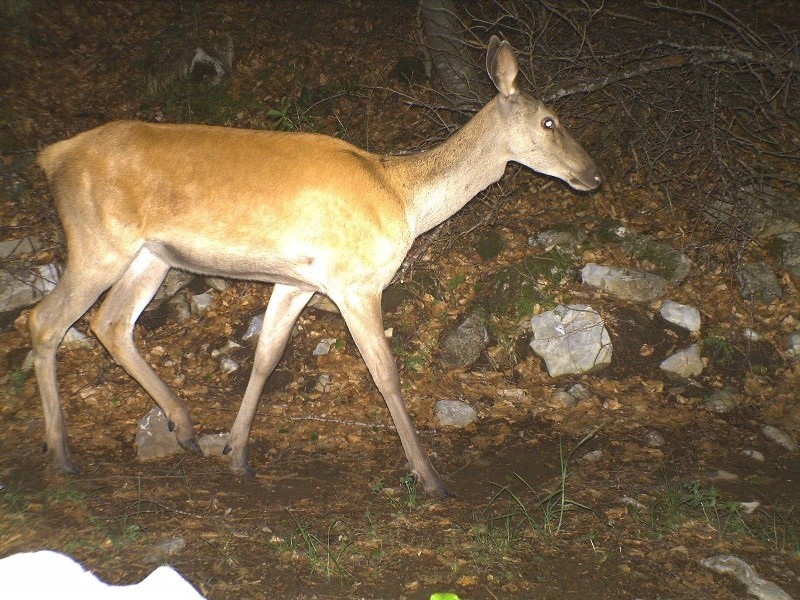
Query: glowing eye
x=548 y=123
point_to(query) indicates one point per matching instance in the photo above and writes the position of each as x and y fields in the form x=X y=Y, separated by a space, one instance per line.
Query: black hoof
x=171 y=426
x=440 y=492
x=67 y=467
x=226 y=450
x=245 y=471
x=191 y=445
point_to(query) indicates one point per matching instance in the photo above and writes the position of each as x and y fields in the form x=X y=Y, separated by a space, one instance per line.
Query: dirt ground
x=551 y=500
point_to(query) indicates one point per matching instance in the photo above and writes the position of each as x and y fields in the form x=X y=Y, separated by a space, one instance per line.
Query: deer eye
x=549 y=123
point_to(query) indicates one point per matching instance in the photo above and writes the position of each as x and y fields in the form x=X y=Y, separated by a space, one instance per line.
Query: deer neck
x=439 y=182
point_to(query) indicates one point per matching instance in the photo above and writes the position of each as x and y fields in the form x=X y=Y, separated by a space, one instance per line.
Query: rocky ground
x=616 y=483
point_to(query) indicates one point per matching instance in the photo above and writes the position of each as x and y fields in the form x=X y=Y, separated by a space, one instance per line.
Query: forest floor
x=550 y=500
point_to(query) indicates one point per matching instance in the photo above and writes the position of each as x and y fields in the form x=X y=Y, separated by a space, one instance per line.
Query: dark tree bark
x=450 y=55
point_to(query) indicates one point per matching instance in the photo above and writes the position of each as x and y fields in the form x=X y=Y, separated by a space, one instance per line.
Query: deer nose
x=588 y=179
x=597 y=177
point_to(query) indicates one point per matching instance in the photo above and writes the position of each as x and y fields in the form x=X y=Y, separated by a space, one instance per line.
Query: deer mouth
x=586 y=181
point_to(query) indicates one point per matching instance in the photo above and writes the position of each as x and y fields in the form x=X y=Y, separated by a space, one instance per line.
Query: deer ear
x=502 y=66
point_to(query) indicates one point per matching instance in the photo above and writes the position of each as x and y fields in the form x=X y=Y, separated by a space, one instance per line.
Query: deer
x=306 y=212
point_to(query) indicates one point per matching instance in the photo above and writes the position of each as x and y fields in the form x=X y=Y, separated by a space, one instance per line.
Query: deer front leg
x=283 y=308
x=363 y=317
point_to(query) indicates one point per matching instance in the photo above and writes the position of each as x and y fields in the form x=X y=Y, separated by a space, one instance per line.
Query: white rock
x=754 y=454
x=174 y=282
x=761 y=588
x=722 y=401
x=228 y=365
x=681 y=315
x=217 y=283
x=18 y=247
x=654 y=439
x=780 y=437
x=253 y=329
x=455 y=413
x=793 y=345
x=571 y=339
x=225 y=349
x=751 y=335
x=18 y=290
x=749 y=507
x=627 y=284
x=75 y=339
x=172 y=545
x=201 y=303
x=324 y=346
x=684 y=364
x=153 y=437
x=212 y=444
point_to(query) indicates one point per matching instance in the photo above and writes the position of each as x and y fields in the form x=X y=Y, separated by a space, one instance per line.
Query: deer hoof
x=437 y=489
x=191 y=445
x=245 y=471
x=66 y=466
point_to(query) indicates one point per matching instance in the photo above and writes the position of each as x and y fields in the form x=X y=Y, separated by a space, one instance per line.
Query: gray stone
x=323 y=347
x=592 y=456
x=178 y=309
x=173 y=283
x=253 y=330
x=751 y=335
x=780 y=437
x=684 y=364
x=27 y=364
x=758 y=210
x=153 y=437
x=75 y=339
x=463 y=346
x=228 y=365
x=11 y=249
x=759 y=283
x=672 y=265
x=171 y=545
x=627 y=284
x=787 y=249
x=654 y=439
x=216 y=283
x=323 y=383
x=225 y=349
x=722 y=401
x=747 y=575
x=754 y=454
x=201 y=303
x=212 y=444
x=564 y=239
x=571 y=397
x=681 y=315
x=563 y=399
x=455 y=413
x=322 y=302
x=571 y=339
x=26 y=287
x=793 y=345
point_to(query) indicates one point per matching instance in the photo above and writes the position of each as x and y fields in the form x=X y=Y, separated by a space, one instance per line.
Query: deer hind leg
x=113 y=324
x=81 y=284
x=363 y=317
x=283 y=308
